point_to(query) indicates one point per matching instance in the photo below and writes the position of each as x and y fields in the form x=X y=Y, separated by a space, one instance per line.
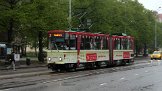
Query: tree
x=9 y=20
x=34 y=18
x=111 y=16
x=41 y=16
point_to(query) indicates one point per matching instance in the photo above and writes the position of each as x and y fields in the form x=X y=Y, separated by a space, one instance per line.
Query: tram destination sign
x=57 y=35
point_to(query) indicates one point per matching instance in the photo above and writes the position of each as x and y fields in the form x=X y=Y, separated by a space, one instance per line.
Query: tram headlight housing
x=49 y=58
x=60 y=59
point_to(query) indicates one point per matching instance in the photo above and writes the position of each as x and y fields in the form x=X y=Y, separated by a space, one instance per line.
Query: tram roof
x=116 y=36
x=78 y=33
x=56 y=31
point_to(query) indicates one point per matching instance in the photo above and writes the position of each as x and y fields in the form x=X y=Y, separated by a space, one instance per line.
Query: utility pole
x=69 y=20
x=124 y=2
x=125 y=16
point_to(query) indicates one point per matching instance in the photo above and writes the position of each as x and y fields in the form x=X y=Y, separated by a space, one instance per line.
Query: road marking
x=146 y=71
x=68 y=78
x=122 y=78
x=113 y=69
x=103 y=84
x=7 y=89
x=136 y=74
x=46 y=82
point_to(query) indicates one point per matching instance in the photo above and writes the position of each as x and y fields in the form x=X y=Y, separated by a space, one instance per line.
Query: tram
x=70 y=50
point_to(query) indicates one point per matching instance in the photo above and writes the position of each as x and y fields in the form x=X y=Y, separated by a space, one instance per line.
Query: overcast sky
x=152 y=4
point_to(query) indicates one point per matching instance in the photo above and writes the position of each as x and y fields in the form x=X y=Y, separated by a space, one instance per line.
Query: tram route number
x=91 y=57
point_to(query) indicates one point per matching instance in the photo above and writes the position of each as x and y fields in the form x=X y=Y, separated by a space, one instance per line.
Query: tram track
x=54 y=77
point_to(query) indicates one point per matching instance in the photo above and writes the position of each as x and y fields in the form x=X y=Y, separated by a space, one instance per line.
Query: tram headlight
x=60 y=59
x=49 y=58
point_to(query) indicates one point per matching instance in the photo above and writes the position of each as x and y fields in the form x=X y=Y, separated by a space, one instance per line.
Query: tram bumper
x=50 y=66
x=54 y=64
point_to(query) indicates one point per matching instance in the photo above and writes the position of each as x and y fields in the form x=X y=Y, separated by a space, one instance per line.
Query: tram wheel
x=73 y=69
x=123 y=63
x=90 y=66
x=70 y=67
x=98 y=65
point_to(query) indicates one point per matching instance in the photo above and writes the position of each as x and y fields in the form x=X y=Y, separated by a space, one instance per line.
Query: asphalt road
x=137 y=77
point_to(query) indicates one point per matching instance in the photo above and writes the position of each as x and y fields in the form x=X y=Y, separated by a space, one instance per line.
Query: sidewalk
x=22 y=64
x=22 y=70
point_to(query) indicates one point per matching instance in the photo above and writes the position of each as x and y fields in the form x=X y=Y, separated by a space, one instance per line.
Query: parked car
x=156 y=55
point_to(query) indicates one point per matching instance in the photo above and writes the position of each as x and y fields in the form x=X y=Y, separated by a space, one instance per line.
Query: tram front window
x=57 y=44
x=62 y=43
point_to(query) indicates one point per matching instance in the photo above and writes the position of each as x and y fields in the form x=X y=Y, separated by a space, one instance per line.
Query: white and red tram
x=71 y=49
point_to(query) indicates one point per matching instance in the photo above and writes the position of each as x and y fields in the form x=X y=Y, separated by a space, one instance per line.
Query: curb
x=23 y=75
x=25 y=67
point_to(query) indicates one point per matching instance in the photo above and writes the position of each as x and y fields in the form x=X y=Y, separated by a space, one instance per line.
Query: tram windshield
x=62 y=42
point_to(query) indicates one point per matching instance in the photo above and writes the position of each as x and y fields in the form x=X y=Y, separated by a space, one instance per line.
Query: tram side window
x=88 y=43
x=82 y=44
x=117 y=44
x=67 y=37
x=129 y=44
x=125 y=44
x=94 y=43
x=97 y=43
x=72 y=42
x=49 y=43
x=105 y=43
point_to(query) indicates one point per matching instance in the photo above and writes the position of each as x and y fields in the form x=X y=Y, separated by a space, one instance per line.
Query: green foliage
x=107 y=16
x=111 y=16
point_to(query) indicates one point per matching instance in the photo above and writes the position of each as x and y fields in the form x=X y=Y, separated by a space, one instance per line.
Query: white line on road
x=7 y=89
x=113 y=69
x=103 y=84
x=136 y=74
x=122 y=78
